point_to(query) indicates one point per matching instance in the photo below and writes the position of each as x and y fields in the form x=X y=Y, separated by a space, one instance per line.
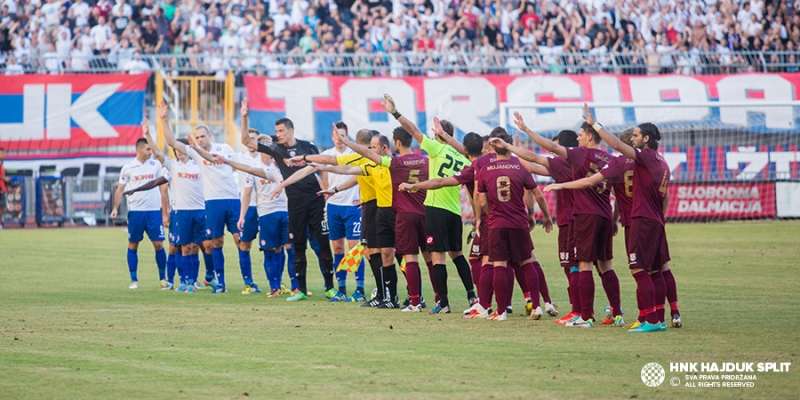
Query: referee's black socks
x=375 y=265
x=390 y=280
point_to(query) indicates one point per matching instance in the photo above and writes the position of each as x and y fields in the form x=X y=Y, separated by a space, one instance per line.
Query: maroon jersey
x=651 y=175
x=408 y=168
x=619 y=173
x=467 y=178
x=586 y=162
x=561 y=172
x=504 y=182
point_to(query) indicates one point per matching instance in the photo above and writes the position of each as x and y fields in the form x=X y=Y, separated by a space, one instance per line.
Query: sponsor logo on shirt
x=188 y=176
x=137 y=178
x=213 y=164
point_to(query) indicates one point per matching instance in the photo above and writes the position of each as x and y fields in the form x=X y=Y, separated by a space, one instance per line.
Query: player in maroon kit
x=647 y=247
x=505 y=187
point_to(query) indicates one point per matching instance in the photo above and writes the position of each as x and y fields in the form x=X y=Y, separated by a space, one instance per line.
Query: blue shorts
x=250 y=230
x=190 y=227
x=221 y=214
x=141 y=221
x=344 y=221
x=273 y=230
x=173 y=231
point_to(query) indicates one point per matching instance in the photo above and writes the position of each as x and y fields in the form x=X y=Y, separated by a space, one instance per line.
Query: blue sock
x=360 y=276
x=195 y=267
x=161 y=263
x=133 y=264
x=341 y=276
x=171 y=267
x=246 y=266
x=290 y=268
x=315 y=246
x=208 y=259
x=268 y=267
x=574 y=270
x=219 y=265
x=186 y=268
x=179 y=267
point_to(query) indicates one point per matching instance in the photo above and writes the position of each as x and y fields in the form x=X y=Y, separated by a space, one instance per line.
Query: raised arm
x=339 y=169
x=157 y=153
x=429 y=184
x=534 y=168
x=524 y=154
x=246 y=139
x=579 y=184
x=409 y=126
x=235 y=165
x=163 y=114
x=437 y=129
x=547 y=221
x=541 y=141
x=313 y=158
x=612 y=140
x=363 y=150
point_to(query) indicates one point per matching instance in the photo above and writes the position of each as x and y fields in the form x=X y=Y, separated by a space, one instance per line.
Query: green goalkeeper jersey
x=445 y=161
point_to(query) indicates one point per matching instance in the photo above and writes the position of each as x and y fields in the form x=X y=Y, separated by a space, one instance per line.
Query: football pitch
x=71 y=328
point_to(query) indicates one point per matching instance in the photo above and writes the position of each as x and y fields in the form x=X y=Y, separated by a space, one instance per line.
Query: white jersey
x=347 y=197
x=165 y=174
x=218 y=180
x=263 y=188
x=247 y=158
x=186 y=185
x=135 y=174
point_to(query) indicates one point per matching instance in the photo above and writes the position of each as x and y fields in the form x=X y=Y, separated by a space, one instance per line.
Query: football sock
x=486 y=287
x=390 y=277
x=326 y=262
x=574 y=280
x=646 y=293
x=360 y=275
x=289 y=259
x=465 y=273
x=187 y=268
x=660 y=292
x=269 y=268
x=611 y=287
x=414 y=279
x=341 y=276
x=171 y=267
x=429 y=264
x=586 y=289
x=178 y=265
x=219 y=265
x=475 y=264
x=195 y=267
x=375 y=266
x=543 y=289
x=672 y=292
x=440 y=277
x=208 y=259
x=500 y=286
x=246 y=267
x=133 y=264
x=300 y=268
x=509 y=270
x=532 y=277
x=161 y=263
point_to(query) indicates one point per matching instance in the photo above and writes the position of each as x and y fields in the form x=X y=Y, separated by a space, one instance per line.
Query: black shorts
x=384 y=226
x=307 y=213
x=443 y=230
x=368 y=229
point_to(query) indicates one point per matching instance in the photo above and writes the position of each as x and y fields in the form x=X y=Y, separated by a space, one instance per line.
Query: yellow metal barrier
x=198 y=100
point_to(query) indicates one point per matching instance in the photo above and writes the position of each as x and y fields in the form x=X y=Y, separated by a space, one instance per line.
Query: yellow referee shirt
x=381 y=181
x=366 y=188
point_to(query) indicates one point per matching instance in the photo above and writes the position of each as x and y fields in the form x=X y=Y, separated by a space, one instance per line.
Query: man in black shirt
x=306 y=208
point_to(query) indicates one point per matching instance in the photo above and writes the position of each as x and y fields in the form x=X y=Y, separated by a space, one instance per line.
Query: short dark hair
x=473 y=143
x=183 y=140
x=141 y=142
x=399 y=134
x=650 y=129
x=590 y=130
x=253 y=130
x=567 y=138
x=341 y=125
x=501 y=133
x=286 y=122
x=383 y=140
x=447 y=127
x=363 y=136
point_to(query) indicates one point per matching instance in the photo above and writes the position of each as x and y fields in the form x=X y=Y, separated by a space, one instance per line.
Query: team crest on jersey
x=429 y=240
x=292 y=153
x=291 y=236
x=632 y=257
x=152 y=162
x=219 y=148
x=208 y=231
x=263 y=242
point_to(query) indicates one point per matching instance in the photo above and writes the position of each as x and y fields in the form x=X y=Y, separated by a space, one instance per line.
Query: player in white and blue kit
x=249 y=215
x=144 y=210
x=344 y=219
x=220 y=192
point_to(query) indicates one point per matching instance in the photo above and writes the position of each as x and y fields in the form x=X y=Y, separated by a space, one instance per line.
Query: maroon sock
x=574 y=278
x=532 y=279
x=510 y=282
x=611 y=287
x=500 y=286
x=433 y=282
x=485 y=289
x=413 y=277
x=661 y=293
x=475 y=263
x=647 y=296
x=672 y=292
x=543 y=290
x=586 y=289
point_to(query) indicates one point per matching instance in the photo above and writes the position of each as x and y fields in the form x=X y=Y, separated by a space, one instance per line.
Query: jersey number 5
x=413 y=178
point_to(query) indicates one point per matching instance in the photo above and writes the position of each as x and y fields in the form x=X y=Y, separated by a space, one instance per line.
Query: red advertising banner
x=722 y=200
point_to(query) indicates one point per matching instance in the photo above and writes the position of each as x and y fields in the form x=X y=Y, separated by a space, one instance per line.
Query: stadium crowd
x=285 y=38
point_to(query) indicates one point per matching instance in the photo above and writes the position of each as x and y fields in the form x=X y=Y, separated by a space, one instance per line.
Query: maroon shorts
x=648 y=245
x=593 y=240
x=566 y=245
x=477 y=250
x=509 y=244
x=628 y=240
x=409 y=235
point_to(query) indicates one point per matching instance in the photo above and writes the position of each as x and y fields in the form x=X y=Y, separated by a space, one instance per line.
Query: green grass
x=70 y=328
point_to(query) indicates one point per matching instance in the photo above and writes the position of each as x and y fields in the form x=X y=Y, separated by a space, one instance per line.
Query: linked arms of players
x=523 y=154
x=429 y=184
x=612 y=140
x=543 y=142
x=583 y=183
